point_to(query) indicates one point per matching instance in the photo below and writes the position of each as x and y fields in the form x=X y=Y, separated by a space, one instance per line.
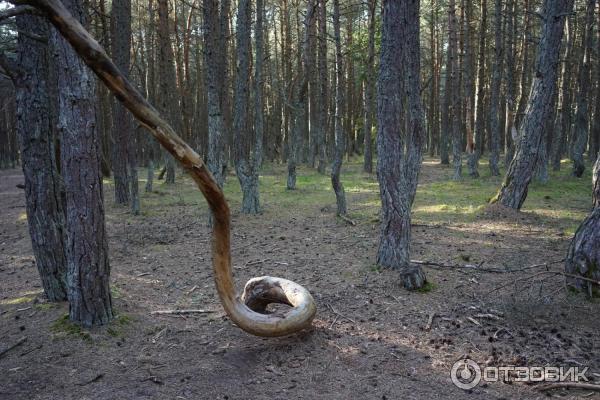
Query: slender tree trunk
x=336 y=167
x=399 y=150
x=124 y=146
x=216 y=127
x=245 y=168
x=510 y=129
x=514 y=188
x=495 y=91
x=453 y=88
x=44 y=206
x=581 y=130
x=169 y=101
x=480 y=117
x=88 y=268
x=323 y=86
x=563 y=122
x=369 y=103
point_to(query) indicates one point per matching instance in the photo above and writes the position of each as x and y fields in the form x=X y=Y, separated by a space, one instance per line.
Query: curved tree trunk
x=397 y=168
x=539 y=108
x=45 y=209
x=247 y=311
x=583 y=256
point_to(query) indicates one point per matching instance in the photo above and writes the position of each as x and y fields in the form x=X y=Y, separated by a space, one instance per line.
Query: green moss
x=65 y=328
x=45 y=306
x=426 y=288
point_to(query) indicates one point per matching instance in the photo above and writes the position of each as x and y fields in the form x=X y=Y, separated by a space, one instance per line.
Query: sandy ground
x=371 y=339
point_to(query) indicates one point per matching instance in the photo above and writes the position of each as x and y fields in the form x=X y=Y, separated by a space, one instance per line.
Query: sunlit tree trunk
x=514 y=188
x=399 y=144
x=336 y=167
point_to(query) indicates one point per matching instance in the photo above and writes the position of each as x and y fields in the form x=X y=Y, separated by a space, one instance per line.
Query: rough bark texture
x=452 y=88
x=88 y=268
x=369 y=100
x=510 y=129
x=169 y=103
x=514 y=188
x=44 y=206
x=583 y=256
x=480 y=117
x=124 y=156
x=246 y=170
x=562 y=127
x=216 y=127
x=338 y=187
x=580 y=137
x=243 y=313
x=323 y=86
x=495 y=131
x=399 y=149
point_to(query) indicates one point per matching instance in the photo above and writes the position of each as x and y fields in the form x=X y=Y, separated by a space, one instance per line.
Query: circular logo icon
x=465 y=374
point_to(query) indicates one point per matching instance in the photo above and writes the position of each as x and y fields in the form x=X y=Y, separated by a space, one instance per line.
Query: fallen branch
x=479 y=268
x=181 y=312
x=9 y=348
x=347 y=220
x=568 y=385
x=430 y=321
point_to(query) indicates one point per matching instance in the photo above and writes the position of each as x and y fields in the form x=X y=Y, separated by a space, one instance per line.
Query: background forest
x=360 y=148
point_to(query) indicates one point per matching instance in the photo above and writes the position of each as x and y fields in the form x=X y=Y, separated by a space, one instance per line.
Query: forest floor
x=371 y=339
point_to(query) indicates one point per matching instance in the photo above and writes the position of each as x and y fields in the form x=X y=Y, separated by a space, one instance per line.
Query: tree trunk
x=539 y=108
x=323 y=87
x=169 y=100
x=397 y=169
x=88 y=268
x=124 y=146
x=510 y=129
x=216 y=127
x=369 y=103
x=495 y=91
x=453 y=87
x=338 y=187
x=583 y=256
x=245 y=168
x=43 y=197
x=580 y=137
x=480 y=118
x=563 y=123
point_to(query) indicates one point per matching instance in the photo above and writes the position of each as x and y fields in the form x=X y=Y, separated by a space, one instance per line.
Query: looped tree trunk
x=247 y=312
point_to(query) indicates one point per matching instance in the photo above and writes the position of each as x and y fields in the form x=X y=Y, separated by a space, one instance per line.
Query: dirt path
x=370 y=339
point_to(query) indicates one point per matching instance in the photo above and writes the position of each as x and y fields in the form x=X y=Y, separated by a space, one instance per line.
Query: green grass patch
x=63 y=327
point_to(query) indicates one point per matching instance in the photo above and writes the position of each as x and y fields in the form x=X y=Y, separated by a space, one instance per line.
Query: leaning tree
x=539 y=108
x=582 y=264
x=399 y=138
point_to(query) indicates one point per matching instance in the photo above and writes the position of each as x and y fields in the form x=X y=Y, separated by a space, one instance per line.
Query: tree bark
x=246 y=169
x=338 y=187
x=397 y=168
x=369 y=103
x=453 y=88
x=124 y=146
x=495 y=91
x=248 y=311
x=514 y=188
x=480 y=118
x=44 y=205
x=323 y=86
x=88 y=268
x=583 y=256
x=216 y=127
x=581 y=129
